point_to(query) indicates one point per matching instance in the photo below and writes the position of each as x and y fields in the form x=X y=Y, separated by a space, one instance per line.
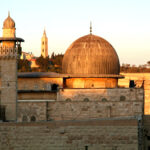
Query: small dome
x=91 y=55
x=8 y=23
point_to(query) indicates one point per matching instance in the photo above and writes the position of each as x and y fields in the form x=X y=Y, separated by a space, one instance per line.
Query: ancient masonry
x=8 y=62
x=10 y=48
x=83 y=110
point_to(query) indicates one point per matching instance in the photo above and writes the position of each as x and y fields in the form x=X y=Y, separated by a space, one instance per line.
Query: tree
x=56 y=61
x=148 y=63
x=24 y=65
x=127 y=68
x=53 y=55
x=43 y=63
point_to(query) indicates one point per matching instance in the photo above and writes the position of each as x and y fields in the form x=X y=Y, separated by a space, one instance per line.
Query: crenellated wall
x=8 y=52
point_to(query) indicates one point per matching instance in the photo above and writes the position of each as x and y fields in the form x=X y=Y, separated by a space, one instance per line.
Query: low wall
x=71 y=135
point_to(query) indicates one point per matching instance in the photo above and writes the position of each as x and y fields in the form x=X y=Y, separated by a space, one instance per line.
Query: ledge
x=36 y=91
x=11 y=39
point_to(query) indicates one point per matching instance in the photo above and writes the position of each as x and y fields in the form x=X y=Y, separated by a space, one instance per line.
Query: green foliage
x=43 y=63
x=56 y=62
x=148 y=63
x=127 y=68
x=53 y=64
x=24 y=65
x=57 y=59
x=53 y=55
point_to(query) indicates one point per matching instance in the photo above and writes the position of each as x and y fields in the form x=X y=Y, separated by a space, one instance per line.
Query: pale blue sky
x=124 y=23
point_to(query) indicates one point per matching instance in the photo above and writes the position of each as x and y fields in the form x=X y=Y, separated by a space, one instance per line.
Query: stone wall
x=70 y=135
x=26 y=111
x=9 y=85
x=140 y=79
x=113 y=94
x=146 y=133
x=82 y=104
x=33 y=95
x=88 y=110
x=74 y=104
x=38 y=83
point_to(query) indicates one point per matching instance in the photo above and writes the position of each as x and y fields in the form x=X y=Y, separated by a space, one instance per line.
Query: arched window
x=24 y=119
x=104 y=100
x=122 y=98
x=33 y=118
x=68 y=100
x=86 y=100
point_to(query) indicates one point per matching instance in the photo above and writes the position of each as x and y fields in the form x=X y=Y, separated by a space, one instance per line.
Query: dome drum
x=87 y=83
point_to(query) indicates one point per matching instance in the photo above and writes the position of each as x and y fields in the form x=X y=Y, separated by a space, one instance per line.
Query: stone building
x=82 y=109
x=28 y=56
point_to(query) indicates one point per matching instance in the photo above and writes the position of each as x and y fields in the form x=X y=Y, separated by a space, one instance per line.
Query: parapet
x=6 y=52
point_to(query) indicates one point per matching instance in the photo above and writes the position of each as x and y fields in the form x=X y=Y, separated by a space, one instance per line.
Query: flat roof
x=39 y=75
x=58 y=75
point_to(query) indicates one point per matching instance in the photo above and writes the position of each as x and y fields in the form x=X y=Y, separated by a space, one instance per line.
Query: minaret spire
x=90 y=27
x=44 y=31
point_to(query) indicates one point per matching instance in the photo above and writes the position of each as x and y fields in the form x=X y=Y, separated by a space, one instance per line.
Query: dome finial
x=8 y=13
x=90 y=27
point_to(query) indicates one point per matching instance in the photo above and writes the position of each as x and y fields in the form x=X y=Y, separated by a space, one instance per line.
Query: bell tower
x=10 y=50
x=44 y=45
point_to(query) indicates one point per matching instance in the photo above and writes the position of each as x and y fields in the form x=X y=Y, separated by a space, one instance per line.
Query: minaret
x=44 y=45
x=10 y=49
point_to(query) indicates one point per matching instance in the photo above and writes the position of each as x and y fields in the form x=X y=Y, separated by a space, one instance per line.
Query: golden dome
x=8 y=23
x=91 y=55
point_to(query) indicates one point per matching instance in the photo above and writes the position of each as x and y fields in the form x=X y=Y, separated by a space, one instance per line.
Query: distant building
x=44 y=52
x=26 y=55
x=30 y=57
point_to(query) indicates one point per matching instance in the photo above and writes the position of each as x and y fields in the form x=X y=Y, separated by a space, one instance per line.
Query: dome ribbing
x=8 y=23
x=91 y=55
